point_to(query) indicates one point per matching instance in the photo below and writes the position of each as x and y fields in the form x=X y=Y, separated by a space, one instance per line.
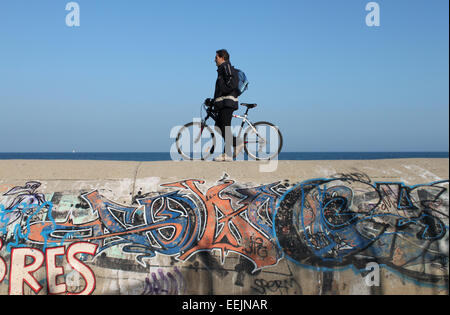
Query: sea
x=165 y=156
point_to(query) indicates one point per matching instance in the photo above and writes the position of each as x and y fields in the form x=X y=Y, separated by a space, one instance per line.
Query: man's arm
x=227 y=84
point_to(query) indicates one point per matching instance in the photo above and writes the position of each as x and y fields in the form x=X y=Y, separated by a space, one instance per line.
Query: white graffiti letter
x=373 y=278
x=78 y=265
x=373 y=18
x=73 y=17
x=53 y=271
x=22 y=271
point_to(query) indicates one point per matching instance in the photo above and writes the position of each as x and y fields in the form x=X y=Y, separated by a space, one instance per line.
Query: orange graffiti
x=227 y=229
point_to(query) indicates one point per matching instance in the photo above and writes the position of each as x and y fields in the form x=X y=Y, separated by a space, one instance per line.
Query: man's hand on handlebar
x=209 y=102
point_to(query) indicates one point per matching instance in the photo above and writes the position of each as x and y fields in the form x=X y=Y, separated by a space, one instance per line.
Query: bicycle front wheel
x=195 y=141
x=263 y=141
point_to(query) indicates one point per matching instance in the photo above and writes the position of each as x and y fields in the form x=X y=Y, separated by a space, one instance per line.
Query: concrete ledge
x=396 y=169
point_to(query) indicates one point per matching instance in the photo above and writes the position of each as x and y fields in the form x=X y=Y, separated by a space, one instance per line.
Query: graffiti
x=348 y=222
x=22 y=205
x=286 y=286
x=166 y=284
x=26 y=205
x=173 y=224
x=328 y=224
x=163 y=226
x=257 y=247
x=228 y=229
x=22 y=271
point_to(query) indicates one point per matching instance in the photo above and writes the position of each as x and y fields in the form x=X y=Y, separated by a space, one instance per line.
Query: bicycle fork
x=199 y=136
x=202 y=126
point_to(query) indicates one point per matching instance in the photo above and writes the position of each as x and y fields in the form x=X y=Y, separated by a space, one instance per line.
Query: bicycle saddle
x=249 y=105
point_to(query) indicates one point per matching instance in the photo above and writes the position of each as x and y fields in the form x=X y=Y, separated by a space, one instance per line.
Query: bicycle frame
x=213 y=115
x=245 y=120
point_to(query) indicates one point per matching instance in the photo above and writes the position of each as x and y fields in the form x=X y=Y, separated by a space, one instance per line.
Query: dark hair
x=223 y=53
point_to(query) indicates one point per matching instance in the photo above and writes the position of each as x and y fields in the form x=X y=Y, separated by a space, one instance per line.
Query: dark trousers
x=224 y=120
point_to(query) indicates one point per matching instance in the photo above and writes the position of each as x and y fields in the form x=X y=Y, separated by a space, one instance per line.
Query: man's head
x=222 y=56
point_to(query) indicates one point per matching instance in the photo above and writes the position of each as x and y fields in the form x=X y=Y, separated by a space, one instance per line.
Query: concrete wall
x=328 y=227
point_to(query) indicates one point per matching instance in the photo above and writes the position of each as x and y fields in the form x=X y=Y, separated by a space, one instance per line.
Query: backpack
x=242 y=81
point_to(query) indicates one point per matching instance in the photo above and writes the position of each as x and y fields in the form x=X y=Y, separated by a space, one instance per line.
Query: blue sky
x=135 y=69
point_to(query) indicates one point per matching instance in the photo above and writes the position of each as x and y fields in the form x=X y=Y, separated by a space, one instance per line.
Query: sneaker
x=223 y=158
x=227 y=158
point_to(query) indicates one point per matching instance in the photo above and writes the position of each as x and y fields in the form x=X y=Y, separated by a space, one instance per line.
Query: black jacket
x=226 y=94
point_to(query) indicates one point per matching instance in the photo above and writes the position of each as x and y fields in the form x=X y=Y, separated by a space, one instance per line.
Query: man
x=225 y=100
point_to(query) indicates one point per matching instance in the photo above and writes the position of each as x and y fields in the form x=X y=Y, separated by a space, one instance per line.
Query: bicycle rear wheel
x=263 y=141
x=195 y=141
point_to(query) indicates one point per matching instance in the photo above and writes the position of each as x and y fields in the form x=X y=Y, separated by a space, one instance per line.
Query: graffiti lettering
x=226 y=228
x=286 y=286
x=167 y=284
x=344 y=221
x=22 y=270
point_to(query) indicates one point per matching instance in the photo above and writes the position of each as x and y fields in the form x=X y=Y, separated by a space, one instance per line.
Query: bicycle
x=258 y=138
